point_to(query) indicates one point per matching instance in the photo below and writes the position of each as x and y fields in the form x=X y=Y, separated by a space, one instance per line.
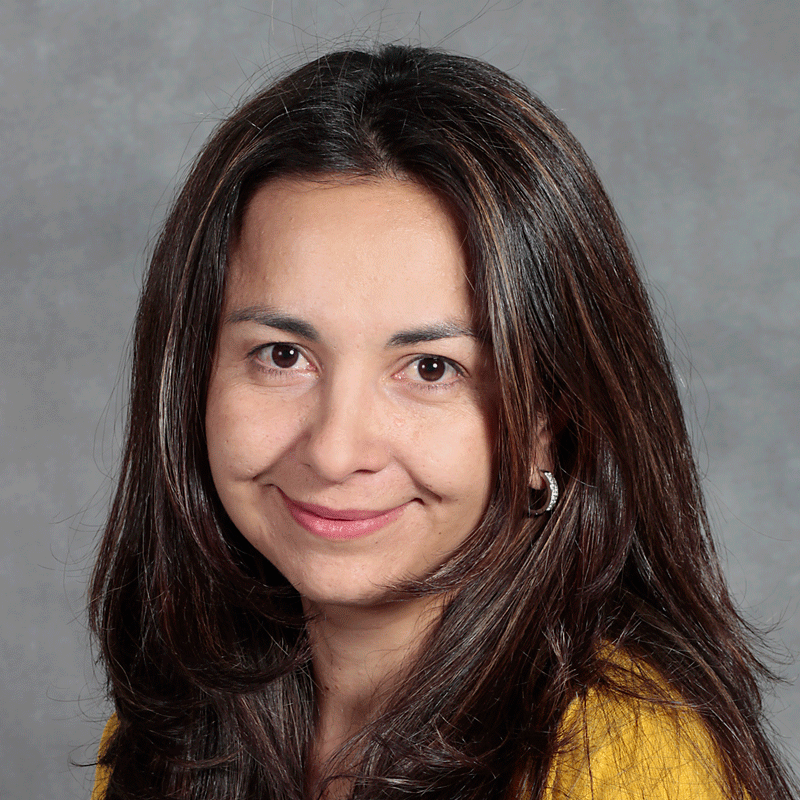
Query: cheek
x=455 y=457
x=243 y=436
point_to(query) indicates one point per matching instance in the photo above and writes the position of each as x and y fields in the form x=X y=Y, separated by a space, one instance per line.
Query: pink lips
x=340 y=524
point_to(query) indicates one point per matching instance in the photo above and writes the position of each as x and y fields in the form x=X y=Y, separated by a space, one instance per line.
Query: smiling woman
x=407 y=505
x=348 y=431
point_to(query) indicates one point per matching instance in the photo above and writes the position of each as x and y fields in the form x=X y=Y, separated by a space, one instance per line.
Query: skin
x=322 y=393
x=351 y=424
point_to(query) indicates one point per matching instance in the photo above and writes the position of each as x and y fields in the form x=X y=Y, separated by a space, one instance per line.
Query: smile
x=340 y=524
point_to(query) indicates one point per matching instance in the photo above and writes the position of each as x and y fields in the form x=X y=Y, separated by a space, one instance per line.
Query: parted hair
x=204 y=642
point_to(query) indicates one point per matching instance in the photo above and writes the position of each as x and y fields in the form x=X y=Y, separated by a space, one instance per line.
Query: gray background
x=689 y=108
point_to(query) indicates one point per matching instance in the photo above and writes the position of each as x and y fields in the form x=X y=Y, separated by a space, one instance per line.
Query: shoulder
x=101 y=772
x=617 y=745
x=625 y=748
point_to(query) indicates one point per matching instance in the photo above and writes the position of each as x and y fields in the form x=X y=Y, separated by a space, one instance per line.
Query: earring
x=552 y=500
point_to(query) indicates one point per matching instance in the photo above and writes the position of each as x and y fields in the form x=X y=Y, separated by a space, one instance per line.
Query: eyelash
x=423 y=385
x=264 y=365
x=435 y=386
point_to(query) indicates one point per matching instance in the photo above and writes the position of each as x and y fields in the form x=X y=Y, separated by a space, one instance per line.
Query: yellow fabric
x=622 y=749
x=625 y=749
x=101 y=772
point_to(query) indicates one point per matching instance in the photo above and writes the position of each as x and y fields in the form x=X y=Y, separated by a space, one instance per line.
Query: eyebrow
x=275 y=319
x=271 y=318
x=431 y=333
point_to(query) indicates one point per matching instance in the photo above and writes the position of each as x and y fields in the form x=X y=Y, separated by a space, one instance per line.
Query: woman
x=407 y=504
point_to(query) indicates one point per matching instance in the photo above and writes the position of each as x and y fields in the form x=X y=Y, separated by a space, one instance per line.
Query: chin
x=355 y=596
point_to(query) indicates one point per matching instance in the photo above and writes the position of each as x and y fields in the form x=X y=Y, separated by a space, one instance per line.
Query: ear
x=542 y=454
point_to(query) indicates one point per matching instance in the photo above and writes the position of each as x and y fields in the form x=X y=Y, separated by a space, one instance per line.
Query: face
x=349 y=413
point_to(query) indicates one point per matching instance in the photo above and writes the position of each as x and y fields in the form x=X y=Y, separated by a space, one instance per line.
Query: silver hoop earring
x=552 y=500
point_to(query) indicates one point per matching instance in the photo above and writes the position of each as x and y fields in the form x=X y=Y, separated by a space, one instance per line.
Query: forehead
x=388 y=242
x=356 y=213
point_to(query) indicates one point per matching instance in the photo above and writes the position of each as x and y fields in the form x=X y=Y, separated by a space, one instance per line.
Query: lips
x=340 y=524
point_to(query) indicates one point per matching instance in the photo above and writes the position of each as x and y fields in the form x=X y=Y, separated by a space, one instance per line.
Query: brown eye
x=431 y=369
x=284 y=356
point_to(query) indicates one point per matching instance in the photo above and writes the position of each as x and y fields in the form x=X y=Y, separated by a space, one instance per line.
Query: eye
x=433 y=370
x=282 y=356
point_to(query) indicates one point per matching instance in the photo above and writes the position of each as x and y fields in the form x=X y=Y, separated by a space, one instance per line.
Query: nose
x=347 y=432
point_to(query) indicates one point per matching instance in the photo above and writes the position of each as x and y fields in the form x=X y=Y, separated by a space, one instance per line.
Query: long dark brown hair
x=204 y=641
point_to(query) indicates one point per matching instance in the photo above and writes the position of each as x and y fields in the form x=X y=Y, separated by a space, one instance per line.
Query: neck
x=359 y=655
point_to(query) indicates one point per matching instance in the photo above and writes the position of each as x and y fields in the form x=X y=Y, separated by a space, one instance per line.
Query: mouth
x=338 y=524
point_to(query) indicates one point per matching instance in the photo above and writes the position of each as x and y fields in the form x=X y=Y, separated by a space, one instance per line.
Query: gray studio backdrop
x=688 y=107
